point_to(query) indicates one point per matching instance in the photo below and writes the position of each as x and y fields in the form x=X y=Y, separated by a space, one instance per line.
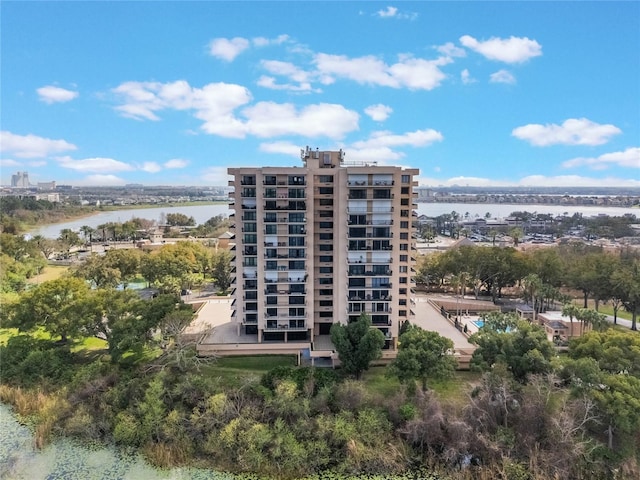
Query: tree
x=627 y=284
x=516 y=234
x=54 y=306
x=221 y=269
x=180 y=220
x=524 y=350
x=422 y=355
x=97 y=270
x=606 y=367
x=45 y=245
x=572 y=311
x=357 y=344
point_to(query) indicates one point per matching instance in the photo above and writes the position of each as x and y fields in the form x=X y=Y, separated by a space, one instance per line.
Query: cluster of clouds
x=34 y=151
x=229 y=110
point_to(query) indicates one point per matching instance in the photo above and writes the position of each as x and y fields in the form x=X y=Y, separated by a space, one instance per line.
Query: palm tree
x=570 y=310
x=88 y=232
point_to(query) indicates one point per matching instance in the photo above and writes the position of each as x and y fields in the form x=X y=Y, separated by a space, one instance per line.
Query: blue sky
x=173 y=93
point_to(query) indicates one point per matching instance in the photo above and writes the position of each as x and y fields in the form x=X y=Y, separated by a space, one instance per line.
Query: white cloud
x=533 y=181
x=419 y=138
x=381 y=146
x=101 y=180
x=378 y=112
x=96 y=164
x=270 y=83
x=269 y=119
x=32 y=146
x=393 y=12
x=577 y=181
x=466 y=77
x=215 y=175
x=175 y=163
x=574 y=131
x=629 y=158
x=502 y=76
x=228 y=49
x=286 y=148
x=264 y=42
x=151 y=167
x=7 y=163
x=51 y=94
x=388 y=12
x=508 y=50
x=409 y=72
x=451 y=50
x=215 y=105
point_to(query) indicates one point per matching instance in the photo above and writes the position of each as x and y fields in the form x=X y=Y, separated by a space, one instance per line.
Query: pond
x=65 y=459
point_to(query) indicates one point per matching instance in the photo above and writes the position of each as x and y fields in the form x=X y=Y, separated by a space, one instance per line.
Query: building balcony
x=362 y=260
x=281 y=326
x=364 y=210
x=369 y=310
x=370 y=298
x=286 y=280
x=377 y=183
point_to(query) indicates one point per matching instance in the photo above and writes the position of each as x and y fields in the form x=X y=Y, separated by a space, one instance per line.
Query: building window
x=403 y=279
x=326 y=303
x=402 y=291
x=404 y=236
x=402 y=302
x=325 y=281
x=326 y=314
x=325 y=190
x=326 y=258
x=403 y=269
x=296 y=229
x=296 y=241
x=326 y=202
x=270 y=229
x=404 y=201
x=326 y=214
x=326 y=270
x=404 y=224
x=325 y=178
x=402 y=313
x=326 y=236
x=326 y=224
x=404 y=213
x=405 y=178
x=404 y=258
x=296 y=217
x=404 y=246
x=404 y=190
x=326 y=291
x=326 y=248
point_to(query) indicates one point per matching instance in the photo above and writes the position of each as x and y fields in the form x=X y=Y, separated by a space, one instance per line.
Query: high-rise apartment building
x=20 y=180
x=321 y=244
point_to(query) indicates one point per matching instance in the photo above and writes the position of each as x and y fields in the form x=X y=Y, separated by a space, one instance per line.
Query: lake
x=64 y=459
x=202 y=213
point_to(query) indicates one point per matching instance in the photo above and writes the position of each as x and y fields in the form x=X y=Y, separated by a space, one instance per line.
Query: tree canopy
x=357 y=344
x=423 y=355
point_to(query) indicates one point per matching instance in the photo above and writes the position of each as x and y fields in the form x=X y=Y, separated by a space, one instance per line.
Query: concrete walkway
x=429 y=318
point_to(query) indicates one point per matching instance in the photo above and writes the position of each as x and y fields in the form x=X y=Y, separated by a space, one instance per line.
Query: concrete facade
x=320 y=244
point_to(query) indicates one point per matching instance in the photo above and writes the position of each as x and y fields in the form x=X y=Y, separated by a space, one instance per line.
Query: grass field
x=50 y=272
x=234 y=371
x=452 y=391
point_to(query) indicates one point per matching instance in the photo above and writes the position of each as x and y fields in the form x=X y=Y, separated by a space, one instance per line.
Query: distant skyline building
x=322 y=244
x=20 y=180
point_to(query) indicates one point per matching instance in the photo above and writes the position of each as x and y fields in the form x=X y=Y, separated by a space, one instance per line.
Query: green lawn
x=234 y=371
x=50 y=272
x=84 y=344
x=453 y=390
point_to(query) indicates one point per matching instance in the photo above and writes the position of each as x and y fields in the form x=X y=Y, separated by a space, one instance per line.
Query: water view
x=202 y=213
x=64 y=459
